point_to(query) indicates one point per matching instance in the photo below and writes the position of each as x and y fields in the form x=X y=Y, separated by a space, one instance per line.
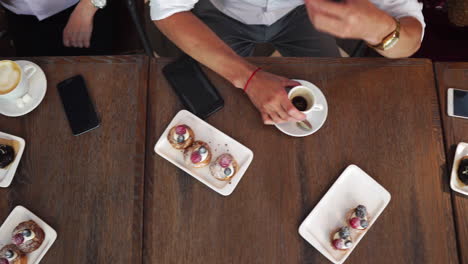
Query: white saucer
x=37 y=90
x=455 y=183
x=316 y=118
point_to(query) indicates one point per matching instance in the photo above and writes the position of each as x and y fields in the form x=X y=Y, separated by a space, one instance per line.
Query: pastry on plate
x=28 y=236
x=181 y=136
x=198 y=154
x=7 y=155
x=224 y=167
x=341 y=239
x=358 y=218
x=462 y=171
x=11 y=254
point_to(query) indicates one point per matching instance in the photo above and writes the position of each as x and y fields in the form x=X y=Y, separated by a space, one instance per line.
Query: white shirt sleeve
x=161 y=9
x=402 y=8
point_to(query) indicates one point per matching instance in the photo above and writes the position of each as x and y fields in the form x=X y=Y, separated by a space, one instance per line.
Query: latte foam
x=10 y=76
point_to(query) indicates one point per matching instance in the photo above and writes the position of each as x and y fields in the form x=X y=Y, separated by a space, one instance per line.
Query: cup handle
x=317 y=107
x=29 y=70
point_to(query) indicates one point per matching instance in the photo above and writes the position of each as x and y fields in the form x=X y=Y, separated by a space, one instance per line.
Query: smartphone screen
x=78 y=105
x=460 y=103
x=192 y=86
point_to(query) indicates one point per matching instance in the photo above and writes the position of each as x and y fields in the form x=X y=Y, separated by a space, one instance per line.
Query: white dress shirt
x=41 y=9
x=267 y=12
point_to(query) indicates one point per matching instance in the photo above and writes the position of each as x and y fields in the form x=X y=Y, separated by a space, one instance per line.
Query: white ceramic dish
x=455 y=183
x=21 y=214
x=7 y=174
x=37 y=91
x=352 y=188
x=219 y=142
x=316 y=118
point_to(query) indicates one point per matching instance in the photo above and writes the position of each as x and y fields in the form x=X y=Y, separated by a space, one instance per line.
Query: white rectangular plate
x=455 y=183
x=21 y=214
x=218 y=141
x=353 y=187
x=7 y=174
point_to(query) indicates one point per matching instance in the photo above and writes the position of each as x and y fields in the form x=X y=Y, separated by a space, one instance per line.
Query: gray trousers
x=293 y=35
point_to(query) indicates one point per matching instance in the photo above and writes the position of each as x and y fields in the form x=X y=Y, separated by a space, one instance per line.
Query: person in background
x=57 y=27
x=218 y=33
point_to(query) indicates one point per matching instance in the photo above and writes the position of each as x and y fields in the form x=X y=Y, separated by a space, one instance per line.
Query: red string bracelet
x=250 y=78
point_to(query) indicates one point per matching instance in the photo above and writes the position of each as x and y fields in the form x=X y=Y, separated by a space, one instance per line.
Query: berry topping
x=180 y=130
x=348 y=243
x=195 y=157
x=227 y=171
x=338 y=243
x=26 y=233
x=180 y=139
x=355 y=222
x=18 y=239
x=344 y=232
x=364 y=223
x=202 y=150
x=225 y=161
x=3 y=261
x=9 y=254
x=361 y=209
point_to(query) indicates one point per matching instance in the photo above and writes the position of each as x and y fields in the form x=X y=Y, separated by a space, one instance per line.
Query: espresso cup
x=304 y=99
x=14 y=81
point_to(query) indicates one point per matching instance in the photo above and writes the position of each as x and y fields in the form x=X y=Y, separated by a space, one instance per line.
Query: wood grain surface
x=89 y=188
x=455 y=75
x=383 y=116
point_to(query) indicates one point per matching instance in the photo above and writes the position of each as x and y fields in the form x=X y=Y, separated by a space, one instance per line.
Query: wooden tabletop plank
x=383 y=116
x=89 y=188
x=455 y=75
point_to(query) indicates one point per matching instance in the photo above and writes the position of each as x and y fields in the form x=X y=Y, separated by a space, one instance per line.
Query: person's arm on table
x=265 y=90
x=78 y=31
x=360 y=19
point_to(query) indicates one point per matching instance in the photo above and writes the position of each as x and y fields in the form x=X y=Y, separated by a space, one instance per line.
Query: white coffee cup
x=308 y=96
x=14 y=81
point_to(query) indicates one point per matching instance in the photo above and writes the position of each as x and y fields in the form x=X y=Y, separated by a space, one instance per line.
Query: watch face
x=99 y=3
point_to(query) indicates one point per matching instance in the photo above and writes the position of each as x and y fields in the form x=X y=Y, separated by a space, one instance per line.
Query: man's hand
x=77 y=32
x=267 y=93
x=355 y=19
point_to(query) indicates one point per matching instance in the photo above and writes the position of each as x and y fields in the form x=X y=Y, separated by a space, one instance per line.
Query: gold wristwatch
x=390 y=40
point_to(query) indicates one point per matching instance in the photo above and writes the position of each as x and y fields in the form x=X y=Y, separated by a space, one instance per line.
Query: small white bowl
x=6 y=175
x=455 y=183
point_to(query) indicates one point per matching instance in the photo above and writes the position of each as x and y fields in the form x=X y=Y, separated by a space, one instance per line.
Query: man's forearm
x=409 y=41
x=196 y=39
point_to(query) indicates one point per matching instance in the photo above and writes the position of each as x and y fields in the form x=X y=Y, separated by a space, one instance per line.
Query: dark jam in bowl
x=300 y=103
x=7 y=155
x=463 y=170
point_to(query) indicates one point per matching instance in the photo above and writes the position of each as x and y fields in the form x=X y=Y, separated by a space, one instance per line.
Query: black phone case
x=180 y=84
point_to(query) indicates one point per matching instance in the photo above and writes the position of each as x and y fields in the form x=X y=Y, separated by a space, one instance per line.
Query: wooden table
x=383 y=117
x=89 y=188
x=454 y=75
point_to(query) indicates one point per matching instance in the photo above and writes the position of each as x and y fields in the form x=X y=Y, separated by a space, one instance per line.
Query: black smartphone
x=78 y=105
x=197 y=93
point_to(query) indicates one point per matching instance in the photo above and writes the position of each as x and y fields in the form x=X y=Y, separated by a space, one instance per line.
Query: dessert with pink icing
x=358 y=218
x=198 y=154
x=224 y=167
x=181 y=136
x=341 y=239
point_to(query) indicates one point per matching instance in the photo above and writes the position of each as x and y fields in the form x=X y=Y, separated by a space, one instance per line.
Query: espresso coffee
x=300 y=103
x=10 y=76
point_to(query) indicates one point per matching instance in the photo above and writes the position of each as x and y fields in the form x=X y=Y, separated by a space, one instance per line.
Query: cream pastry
x=181 y=136
x=11 y=254
x=341 y=239
x=358 y=218
x=198 y=154
x=28 y=236
x=224 y=167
